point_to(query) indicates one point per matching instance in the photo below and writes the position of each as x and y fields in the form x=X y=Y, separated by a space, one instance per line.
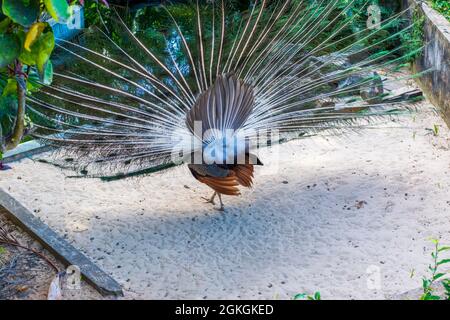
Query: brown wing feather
x=244 y=174
x=227 y=186
x=240 y=175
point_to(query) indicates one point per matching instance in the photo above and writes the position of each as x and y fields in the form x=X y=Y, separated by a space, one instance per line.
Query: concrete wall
x=436 y=55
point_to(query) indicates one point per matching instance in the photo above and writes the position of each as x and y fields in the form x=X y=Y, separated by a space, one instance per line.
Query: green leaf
x=8 y=107
x=32 y=86
x=444 y=261
x=9 y=49
x=425 y=284
x=434 y=241
x=46 y=48
x=446 y=285
x=34 y=81
x=59 y=10
x=317 y=296
x=4 y=24
x=33 y=33
x=443 y=249
x=429 y=296
x=10 y=88
x=436 y=130
x=300 y=296
x=47 y=75
x=438 y=275
x=23 y=12
x=40 y=51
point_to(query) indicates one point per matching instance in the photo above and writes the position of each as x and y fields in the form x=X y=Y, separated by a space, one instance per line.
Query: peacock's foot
x=209 y=201
x=221 y=209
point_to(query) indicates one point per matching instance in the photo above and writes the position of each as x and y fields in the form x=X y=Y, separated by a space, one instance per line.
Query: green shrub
x=442 y=6
x=436 y=273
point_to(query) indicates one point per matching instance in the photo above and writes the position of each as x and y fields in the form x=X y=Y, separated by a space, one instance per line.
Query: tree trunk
x=12 y=141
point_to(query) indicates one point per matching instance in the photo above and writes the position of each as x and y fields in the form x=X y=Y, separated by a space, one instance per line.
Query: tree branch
x=13 y=140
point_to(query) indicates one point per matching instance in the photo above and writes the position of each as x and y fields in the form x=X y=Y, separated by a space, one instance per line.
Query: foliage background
x=442 y=6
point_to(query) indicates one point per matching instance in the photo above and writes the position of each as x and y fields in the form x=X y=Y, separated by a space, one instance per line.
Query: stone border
x=25 y=150
x=436 y=56
x=59 y=247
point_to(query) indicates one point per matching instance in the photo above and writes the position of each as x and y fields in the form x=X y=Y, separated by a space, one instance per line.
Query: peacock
x=211 y=85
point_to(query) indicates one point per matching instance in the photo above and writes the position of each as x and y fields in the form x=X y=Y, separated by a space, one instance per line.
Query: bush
x=442 y=6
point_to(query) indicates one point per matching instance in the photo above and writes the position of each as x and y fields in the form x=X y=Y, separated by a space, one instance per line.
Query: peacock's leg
x=222 y=207
x=212 y=199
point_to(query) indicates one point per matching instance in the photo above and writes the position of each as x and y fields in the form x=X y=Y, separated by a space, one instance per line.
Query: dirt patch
x=27 y=275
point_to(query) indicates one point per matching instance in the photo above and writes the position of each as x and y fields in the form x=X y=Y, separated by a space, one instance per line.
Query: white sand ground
x=339 y=213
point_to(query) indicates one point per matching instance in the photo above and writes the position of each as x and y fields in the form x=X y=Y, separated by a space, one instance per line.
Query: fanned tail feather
x=294 y=66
